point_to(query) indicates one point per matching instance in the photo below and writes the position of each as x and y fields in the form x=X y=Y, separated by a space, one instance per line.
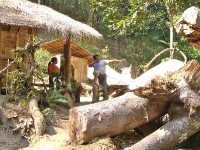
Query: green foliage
x=189 y=51
x=56 y=97
x=105 y=52
x=46 y=112
x=147 y=24
x=125 y=17
x=18 y=88
x=136 y=30
x=42 y=58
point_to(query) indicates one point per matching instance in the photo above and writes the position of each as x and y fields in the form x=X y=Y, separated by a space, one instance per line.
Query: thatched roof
x=57 y=46
x=28 y=14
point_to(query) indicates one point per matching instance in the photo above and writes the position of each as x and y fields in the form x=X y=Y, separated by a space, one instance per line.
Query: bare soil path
x=56 y=135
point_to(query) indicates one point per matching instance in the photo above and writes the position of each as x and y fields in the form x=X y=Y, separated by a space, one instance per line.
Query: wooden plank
x=80 y=66
x=3 y=46
x=7 y=52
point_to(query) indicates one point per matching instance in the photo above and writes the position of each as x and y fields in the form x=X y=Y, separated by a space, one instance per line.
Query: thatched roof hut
x=56 y=47
x=28 y=14
x=80 y=57
x=21 y=19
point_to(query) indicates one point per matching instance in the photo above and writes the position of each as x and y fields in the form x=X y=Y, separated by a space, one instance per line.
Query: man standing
x=100 y=66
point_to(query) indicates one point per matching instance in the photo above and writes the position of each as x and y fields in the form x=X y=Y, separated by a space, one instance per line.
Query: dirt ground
x=56 y=136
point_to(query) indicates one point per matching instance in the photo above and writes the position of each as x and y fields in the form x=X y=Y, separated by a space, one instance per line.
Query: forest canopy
x=134 y=30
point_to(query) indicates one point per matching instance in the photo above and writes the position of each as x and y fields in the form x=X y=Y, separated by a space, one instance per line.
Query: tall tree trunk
x=170 y=13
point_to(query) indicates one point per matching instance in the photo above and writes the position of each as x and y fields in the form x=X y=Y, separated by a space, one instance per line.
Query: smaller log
x=39 y=120
x=176 y=131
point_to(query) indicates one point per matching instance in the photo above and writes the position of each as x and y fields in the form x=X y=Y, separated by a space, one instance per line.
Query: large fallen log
x=111 y=117
x=120 y=114
x=176 y=131
x=189 y=26
x=159 y=70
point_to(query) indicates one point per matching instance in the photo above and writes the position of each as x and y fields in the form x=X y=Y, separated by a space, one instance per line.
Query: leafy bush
x=42 y=58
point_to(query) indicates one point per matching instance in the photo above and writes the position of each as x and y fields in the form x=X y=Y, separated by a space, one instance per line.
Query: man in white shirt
x=100 y=66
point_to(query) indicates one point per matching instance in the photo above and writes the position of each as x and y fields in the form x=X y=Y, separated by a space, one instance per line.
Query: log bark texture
x=39 y=120
x=178 y=86
x=178 y=89
x=120 y=114
x=189 y=26
x=70 y=99
x=111 y=117
x=176 y=131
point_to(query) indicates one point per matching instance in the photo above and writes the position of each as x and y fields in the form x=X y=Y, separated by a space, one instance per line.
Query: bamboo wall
x=80 y=66
x=12 y=37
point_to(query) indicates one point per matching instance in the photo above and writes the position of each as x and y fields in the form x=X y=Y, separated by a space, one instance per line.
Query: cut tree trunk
x=120 y=114
x=189 y=26
x=179 y=85
x=111 y=117
x=38 y=118
x=176 y=131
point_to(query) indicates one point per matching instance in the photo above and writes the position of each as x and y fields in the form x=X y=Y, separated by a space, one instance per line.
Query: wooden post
x=67 y=57
x=67 y=70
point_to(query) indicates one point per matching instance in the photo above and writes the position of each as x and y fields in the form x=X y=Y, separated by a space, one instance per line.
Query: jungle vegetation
x=135 y=30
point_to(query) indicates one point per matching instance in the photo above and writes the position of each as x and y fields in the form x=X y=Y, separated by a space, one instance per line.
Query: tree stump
x=189 y=26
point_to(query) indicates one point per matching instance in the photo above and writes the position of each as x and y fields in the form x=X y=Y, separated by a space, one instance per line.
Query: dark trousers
x=103 y=81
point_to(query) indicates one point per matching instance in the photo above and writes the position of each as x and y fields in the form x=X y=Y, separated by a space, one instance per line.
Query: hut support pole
x=67 y=70
x=67 y=64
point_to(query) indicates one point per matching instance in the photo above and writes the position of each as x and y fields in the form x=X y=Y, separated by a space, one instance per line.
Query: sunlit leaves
x=126 y=16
